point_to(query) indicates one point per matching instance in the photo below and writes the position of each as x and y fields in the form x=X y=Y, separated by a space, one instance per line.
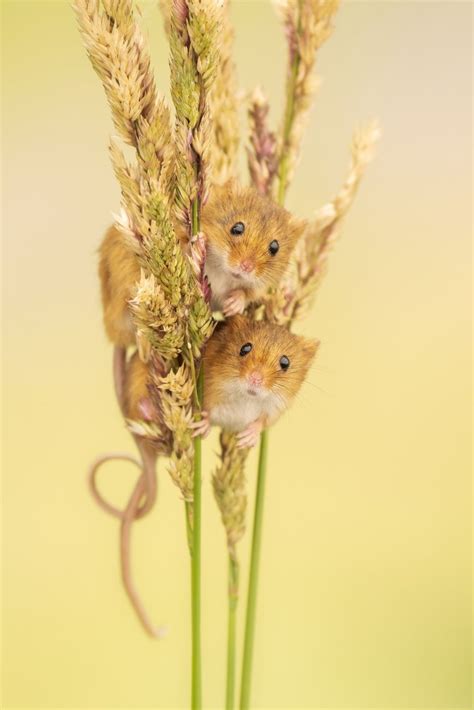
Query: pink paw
x=147 y=409
x=249 y=436
x=234 y=304
x=202 y=427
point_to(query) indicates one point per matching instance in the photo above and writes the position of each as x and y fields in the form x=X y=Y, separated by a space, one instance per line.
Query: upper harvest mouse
x=249 y=241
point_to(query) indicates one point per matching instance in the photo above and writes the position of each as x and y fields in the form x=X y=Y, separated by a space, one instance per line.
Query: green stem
x=262 y=461
x=196 y=581
x=195 y=217
x=287 y=126
x=196 y=688
x=196 y=680
x=233 y=597
x=254 y=572
x=188 y=510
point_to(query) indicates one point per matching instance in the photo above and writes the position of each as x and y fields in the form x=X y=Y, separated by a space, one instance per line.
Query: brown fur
x=136 y=387
x=222 y=359
x=119 y=271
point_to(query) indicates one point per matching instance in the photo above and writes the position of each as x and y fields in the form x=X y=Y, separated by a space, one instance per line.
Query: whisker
x=317 y=387
x=323 y=368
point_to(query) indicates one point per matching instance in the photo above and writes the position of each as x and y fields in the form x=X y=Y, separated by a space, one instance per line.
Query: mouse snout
x=255 y=379
x=247 y=266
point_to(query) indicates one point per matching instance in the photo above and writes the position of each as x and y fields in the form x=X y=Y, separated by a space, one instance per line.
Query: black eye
x=245 y=349
x=238 y=228
x=273 y=247
x=284 y=362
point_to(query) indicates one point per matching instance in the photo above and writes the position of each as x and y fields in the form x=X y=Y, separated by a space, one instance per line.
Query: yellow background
x=365 y=594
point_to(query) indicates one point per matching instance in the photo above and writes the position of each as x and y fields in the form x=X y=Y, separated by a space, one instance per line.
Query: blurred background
x=365 y=594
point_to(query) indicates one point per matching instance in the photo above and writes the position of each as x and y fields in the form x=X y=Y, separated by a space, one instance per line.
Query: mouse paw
x=249 y=436
x=147 y=409
x=201 y=427
x=234 y=304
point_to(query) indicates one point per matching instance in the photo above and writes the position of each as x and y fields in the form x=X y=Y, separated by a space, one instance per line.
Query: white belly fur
x=241 y=409
x=222 y=282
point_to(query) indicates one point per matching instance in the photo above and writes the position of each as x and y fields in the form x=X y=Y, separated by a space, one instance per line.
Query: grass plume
x=262 y=156
x=162 y=193
x=307 y=24
x=309 y=262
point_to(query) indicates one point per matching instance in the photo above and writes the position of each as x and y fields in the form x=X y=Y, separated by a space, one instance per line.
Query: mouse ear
x=297 y=228
x=231 y=184
x=309 y=348
x=219 y=195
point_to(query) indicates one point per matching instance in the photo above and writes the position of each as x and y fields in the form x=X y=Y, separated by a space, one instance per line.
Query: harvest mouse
x=249 y=242
x=252 y=372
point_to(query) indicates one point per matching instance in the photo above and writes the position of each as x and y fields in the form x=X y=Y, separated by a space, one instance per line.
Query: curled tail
x=141 y=500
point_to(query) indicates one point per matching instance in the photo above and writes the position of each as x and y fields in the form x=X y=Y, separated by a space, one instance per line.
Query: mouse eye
x=273 y=247
x=245 y=349
x=284 y=362
x=238 y=229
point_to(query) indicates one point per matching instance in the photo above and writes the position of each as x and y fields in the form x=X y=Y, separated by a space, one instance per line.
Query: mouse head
x=250 y=235
x=261 y=360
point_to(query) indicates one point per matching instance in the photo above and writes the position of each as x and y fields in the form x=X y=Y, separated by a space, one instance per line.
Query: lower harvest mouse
x=252 y=372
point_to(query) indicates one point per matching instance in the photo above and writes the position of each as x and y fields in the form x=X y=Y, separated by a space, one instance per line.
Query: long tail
x=129 y=516
x=141 y=501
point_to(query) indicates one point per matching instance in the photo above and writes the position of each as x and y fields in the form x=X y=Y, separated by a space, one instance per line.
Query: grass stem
x=233 y=597
x=262 y=461
x=196 y=690
x=196 y=663
x=254 y=574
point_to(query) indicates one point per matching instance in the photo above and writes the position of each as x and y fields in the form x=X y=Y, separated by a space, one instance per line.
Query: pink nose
x=255 y=379
x=247 y=265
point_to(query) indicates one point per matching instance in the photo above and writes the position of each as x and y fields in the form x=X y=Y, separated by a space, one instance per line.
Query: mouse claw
x=234 y=304
x=202 y=427
x=249 y=436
